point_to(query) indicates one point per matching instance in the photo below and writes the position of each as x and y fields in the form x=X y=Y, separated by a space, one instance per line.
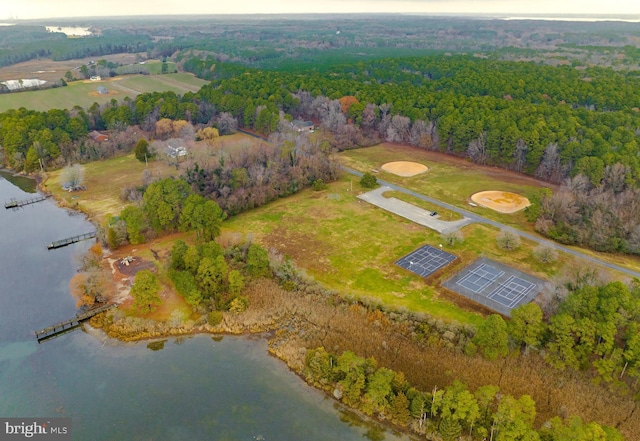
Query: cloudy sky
x=28 y=9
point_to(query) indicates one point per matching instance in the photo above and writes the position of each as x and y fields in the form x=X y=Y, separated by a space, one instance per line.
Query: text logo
x=41 y=429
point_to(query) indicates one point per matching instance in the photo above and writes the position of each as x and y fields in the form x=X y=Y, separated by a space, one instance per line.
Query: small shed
x=103 y=90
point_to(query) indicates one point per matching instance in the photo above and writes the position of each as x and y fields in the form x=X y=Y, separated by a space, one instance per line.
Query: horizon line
x=497 y=15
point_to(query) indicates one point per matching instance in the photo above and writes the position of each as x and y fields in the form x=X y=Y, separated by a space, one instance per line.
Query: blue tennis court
x=426 y=260
x=495 y=285
x=511 y=291
x=479 y=278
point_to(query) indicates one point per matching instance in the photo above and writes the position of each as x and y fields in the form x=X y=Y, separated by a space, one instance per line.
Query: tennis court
x=426 y=260
x=494 y=285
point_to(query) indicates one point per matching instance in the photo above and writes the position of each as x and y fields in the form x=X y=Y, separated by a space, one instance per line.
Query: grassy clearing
x=84 y=94
x=179 y=83
x=104 y=181
x=451 y=180
x=346 y=244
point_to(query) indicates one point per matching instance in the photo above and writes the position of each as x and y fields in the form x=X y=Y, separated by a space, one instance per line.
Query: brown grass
x=104 y=181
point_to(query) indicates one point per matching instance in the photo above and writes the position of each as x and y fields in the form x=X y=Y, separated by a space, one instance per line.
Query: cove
x=191 y=388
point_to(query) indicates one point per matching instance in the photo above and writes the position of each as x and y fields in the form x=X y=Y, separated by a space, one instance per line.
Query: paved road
x=483 y=220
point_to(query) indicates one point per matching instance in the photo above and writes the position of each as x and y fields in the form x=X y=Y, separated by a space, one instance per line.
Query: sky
x=36 y=9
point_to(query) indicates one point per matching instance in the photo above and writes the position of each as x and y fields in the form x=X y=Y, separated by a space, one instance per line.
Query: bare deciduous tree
x=226 y=123
x=549 y=167
x=72 y=176
x=508 y=240
x=369 y=117
x=520 y=155
x=616 y=176
x=477 y=149
x=545 y=254
x=421 y=133
x=452 y=238
x=334 y=119
x=398 y=129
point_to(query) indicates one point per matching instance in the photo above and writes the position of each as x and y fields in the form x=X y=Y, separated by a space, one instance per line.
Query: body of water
x=72 y=31
x=185 y=389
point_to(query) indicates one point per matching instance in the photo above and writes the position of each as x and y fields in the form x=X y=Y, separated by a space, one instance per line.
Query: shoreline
x=273 y=337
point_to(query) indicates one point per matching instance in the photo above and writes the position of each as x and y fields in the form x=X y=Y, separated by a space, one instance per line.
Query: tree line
x=533 y=119
x=599 y=208
x=453 y=413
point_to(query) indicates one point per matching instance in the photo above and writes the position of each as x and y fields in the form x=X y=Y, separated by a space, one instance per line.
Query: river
x=183 y=389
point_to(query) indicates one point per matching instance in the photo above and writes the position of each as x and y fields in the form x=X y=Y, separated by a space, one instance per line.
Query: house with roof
x=103 y=90
x=302 y=126
x=97 y=136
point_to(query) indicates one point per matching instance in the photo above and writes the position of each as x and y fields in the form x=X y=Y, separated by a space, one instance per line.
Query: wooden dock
x=62 y=327
x=17 y=204
x=70 y=240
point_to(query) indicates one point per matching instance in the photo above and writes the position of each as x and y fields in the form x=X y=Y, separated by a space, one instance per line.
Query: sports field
x=448 y=179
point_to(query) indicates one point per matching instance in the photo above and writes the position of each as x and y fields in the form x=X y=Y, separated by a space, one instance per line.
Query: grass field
x=104 y=181
x=84 y=94
x=351 y=246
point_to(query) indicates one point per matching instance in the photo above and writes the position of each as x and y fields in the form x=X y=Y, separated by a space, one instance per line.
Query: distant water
x=75 y=31
x=630 y=19
x=23 y=83
x=193 y=388
x=634 y=18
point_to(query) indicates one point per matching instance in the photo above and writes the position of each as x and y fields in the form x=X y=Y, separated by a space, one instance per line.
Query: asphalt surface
x=412 y=212
x=483 y=220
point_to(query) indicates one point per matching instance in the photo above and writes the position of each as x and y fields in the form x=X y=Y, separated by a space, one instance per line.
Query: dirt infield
x=501 y=201
x=404 y=168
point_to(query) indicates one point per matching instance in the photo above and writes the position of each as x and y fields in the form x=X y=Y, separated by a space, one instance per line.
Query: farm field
x=84 y=93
